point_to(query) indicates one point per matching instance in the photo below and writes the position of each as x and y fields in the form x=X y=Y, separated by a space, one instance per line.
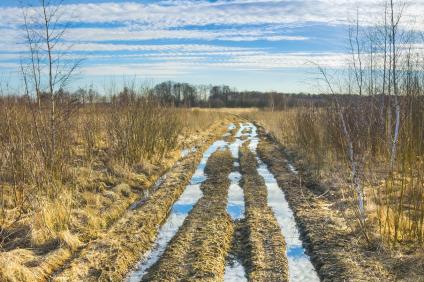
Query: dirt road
x=230 y=221
x=230 y=232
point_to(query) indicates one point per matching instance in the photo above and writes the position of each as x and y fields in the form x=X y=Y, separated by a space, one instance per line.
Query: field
x=226 y=197
x=189 y=181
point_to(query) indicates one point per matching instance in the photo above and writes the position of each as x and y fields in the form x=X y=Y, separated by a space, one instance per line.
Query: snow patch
x=187 y=151
x=300 y=266
x=235 y=206
x=234 y=272
x=179 y=211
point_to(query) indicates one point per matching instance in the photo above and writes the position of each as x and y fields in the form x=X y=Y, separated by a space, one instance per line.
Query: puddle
x=235 y=147
x=300 y=266
x=231 y=126
x=234 y=272
x=235 y=206
x=179 y=212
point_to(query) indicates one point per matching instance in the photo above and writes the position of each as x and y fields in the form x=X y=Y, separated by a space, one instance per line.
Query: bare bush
x=139 y=128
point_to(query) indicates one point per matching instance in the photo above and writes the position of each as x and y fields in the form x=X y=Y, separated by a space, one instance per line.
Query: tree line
x=181 y=95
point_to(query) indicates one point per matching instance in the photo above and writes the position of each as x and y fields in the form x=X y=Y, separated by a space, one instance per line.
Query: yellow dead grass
x=91 y=193
x=114 y=252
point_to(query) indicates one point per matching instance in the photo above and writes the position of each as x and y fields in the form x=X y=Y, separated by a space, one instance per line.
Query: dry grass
x=315 y=135
x=112 y=255
x=234 y=111
x=55 y=211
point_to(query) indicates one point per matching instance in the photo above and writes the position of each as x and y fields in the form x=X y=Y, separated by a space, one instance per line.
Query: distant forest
x=186 y=95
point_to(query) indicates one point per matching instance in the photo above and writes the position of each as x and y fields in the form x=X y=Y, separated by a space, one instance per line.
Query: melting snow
x=179 y=212
x=234 y=272
x=292 y=168
x=235 y=206
x=187 y=151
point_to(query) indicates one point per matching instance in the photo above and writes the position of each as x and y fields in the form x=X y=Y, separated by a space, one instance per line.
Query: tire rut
x=199 y=249
x=267 y=259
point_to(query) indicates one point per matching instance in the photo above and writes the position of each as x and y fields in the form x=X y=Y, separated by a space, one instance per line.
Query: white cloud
x=104 y=34
x=150 y=47
x=165 y=14
x=162 y=70
x=238 y=21
x=175 y=65
x=90 y=49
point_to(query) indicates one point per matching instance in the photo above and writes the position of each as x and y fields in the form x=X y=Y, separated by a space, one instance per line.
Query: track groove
x=198 y=250
x=267 y=259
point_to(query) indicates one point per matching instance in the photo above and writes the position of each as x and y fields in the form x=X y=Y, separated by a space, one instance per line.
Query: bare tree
x=356 y=51
x=350 y=153
x=394 y=23
x=48 y=68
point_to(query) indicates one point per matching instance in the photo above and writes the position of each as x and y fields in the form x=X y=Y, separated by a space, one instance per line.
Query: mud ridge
x=266 y=246
x=199 y=249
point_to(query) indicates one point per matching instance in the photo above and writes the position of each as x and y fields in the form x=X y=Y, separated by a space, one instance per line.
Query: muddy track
x=204 y=239
x=199 y=249
x=110 y=257
x=266 y=246
x=325 y=234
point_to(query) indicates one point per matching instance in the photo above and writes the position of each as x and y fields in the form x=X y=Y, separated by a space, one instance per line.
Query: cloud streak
x=173 y=38
x=166 y=14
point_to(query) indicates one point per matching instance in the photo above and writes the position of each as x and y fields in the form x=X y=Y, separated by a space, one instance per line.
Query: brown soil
x=337 y=253
x=110 y=257
x=267 y=259
x=199 y=249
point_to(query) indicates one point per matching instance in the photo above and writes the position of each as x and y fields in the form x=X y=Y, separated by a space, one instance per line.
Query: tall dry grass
x=105 y=153
x=142 y=129
x=394 y=195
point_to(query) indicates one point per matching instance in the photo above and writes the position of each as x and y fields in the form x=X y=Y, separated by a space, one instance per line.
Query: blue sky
x=250 y=45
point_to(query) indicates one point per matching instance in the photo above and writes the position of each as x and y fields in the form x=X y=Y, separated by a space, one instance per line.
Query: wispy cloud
x=170 y=38
x=180 y=65
x=132 y=33
x=163 y=14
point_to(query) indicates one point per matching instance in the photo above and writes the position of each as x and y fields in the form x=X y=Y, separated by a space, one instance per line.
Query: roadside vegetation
x=106 y=155
x=73 y=163
x=367 y=146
